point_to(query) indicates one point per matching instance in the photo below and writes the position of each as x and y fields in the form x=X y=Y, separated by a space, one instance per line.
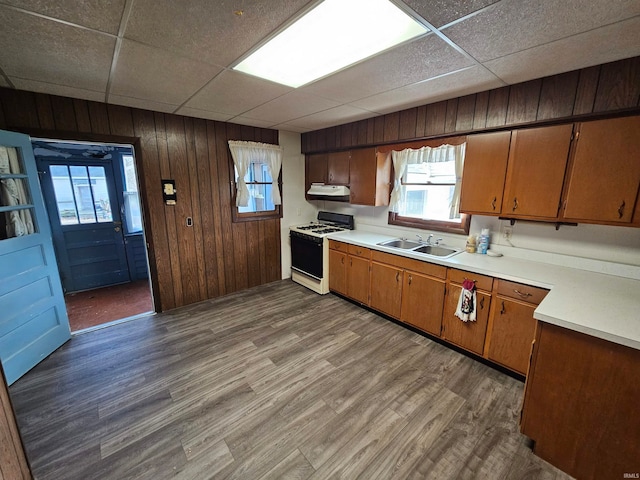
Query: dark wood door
x=535 y=172
x=485 y=168
x=605 y=174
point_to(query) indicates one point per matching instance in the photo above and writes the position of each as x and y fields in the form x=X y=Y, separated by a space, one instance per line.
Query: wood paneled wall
x=13 y=461
x=594 y=91
x=215 y=256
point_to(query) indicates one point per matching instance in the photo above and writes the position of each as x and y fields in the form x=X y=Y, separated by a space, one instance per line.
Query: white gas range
x=310 y=249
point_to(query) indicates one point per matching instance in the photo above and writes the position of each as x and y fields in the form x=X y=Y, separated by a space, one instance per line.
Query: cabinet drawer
x=419 y=266
x=522 y=292
x=341 y=247
x=359 y=251
x=482 y=281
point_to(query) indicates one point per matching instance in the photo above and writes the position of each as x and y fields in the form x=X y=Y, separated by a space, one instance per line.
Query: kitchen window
x=426 y=192
x=257 y=194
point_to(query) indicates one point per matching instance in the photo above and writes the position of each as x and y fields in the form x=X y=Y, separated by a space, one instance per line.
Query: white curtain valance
x=246 y=153
x=427 y=155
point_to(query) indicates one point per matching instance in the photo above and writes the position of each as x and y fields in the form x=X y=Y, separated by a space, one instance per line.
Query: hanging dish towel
x=466 y=310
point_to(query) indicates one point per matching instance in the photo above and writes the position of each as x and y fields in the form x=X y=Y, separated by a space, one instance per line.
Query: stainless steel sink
x=400 y=243
x=436 y=251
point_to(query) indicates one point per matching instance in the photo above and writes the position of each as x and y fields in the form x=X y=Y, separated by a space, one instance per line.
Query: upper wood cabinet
x=338 y=168
x=315 y=171
x=535 y=172
x=369 y=177
x=605 y=172
x=485 y=167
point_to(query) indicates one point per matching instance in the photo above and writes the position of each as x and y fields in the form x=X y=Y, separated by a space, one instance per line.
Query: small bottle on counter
x=483 y=241
x=471 y=244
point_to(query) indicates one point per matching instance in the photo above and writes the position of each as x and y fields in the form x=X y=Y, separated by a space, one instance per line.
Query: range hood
x=322 y=190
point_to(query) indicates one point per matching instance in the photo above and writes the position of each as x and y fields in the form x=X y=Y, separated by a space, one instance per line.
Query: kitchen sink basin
x=400 y=243
x=436 y=250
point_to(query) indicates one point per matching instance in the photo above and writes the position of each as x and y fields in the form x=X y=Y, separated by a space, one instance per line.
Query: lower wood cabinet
x=349 y=270
x=358 y=279
x=511 y=325
x=468 y=335
x=422 y=301
x=386 y=288
x=338 y=271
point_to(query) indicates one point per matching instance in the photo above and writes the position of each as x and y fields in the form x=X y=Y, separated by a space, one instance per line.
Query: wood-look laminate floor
x=275 y=382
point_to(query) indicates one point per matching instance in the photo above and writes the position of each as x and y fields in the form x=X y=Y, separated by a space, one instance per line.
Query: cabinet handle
x=342 y=260
x=515 y=203
x=410 y=279
x=482 y=303
x=397 y=276
x=493 y=202
x=351 y=262
x=523 y=295
x=502 y=310
x=621 y=209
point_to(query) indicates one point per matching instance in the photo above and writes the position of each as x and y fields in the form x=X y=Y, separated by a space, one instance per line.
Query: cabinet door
x=338 y=168
x=485 y=168
x=338 y=271
x=605 y=174
x=315 y=170
x=358 y=279
x=512 y=331
x=422 y=302
x=468 y=335
x=535 y=173
x=386 y=289
x=370 y=177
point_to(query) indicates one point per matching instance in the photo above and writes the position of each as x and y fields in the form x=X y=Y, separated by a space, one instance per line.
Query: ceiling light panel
x=332 y=36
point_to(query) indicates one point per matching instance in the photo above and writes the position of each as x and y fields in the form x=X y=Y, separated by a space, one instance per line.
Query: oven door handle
x=305 y=273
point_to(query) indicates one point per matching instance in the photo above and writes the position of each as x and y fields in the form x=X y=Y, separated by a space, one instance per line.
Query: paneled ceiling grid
x=177 y=56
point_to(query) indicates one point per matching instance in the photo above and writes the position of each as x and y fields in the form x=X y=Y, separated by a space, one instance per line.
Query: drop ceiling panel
x=96 y=14
x=512 y=25
x=578 y=51
x=441 y=12
x=327 y=118
x=423 y=58
x=61 y=90
x=35 y=48
x=471 y=80
x=206 y=30
x=289 y=107
x=252 y=122
x=194 y=112
x=142 y=103
x=234 y=93
x=149 y=73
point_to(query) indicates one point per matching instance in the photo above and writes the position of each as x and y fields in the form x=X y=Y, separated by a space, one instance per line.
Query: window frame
x=236 y=216
x=394 y=218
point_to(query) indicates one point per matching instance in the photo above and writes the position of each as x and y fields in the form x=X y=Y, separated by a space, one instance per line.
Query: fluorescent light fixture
x=334 y=35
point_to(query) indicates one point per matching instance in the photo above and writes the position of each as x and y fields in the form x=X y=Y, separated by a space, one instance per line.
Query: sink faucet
x=419 y=238
x=428 y=242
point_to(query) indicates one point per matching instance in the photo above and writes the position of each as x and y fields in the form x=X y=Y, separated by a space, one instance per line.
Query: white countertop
x=604 y=306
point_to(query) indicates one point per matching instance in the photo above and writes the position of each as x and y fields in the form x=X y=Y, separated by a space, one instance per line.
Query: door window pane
x=14 y=192
x=83 y=195
x=100 y=194
x=133 y=214
x=64 y=195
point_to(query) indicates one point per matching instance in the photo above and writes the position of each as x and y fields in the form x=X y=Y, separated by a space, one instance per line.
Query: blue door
x=84 y=213
x=33 y=316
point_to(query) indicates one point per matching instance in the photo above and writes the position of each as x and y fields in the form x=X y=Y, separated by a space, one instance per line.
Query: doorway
x=91 y=195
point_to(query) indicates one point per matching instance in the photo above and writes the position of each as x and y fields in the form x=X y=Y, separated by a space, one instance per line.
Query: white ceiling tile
x=291 y=128
x=290 y=106
x=206 y=30
x=35 y=48
x=149 y=73
x=252 y=122
x=423 y=58
x=513 y=25
x=440 y=12
x=579 y=51
x=234 y=93
x=333 y=116
x=96 y=14
x=142 y=104
x=464 y=82
x=194 y=112
x=61 y=90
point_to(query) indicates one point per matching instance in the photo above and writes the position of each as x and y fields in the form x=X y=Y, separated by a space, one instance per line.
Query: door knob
x=116 y=229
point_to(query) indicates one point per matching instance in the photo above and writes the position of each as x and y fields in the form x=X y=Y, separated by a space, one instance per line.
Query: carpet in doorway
x=103 y=305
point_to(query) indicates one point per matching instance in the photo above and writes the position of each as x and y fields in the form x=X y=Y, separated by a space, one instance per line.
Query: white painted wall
x=599 y=242
x=295 y=209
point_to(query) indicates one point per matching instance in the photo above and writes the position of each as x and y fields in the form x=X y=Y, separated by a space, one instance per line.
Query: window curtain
x=410 y=156
x=13 y=193
x=246 y=153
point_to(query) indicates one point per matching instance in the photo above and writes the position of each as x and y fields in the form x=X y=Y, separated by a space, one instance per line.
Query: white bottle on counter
x=483 y=241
